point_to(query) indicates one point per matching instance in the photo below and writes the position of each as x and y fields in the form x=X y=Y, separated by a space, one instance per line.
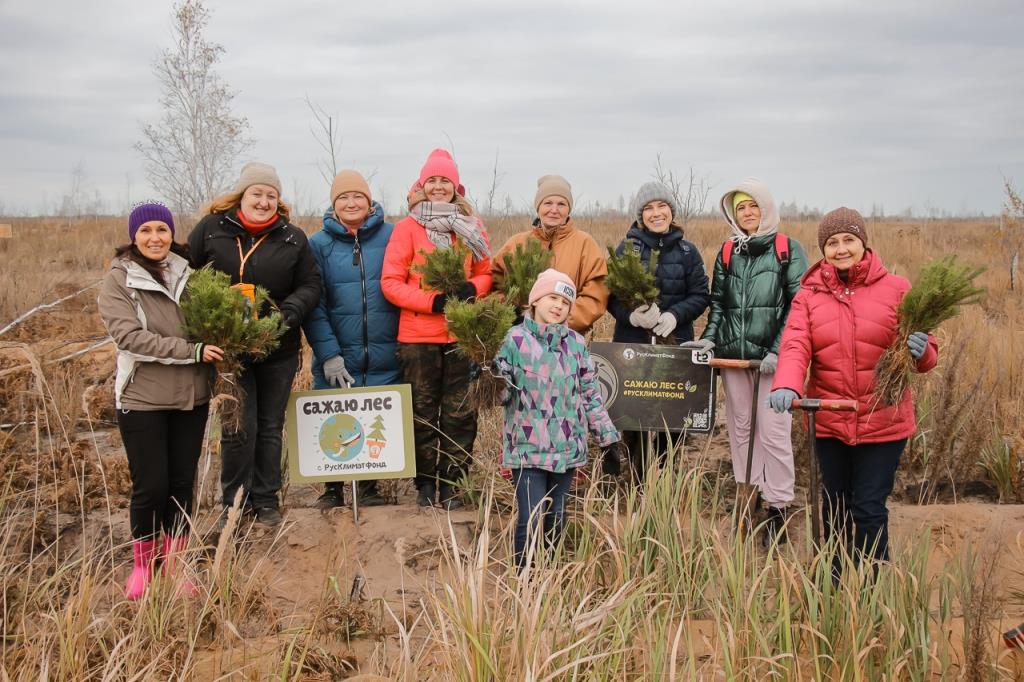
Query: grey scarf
x=440 y=220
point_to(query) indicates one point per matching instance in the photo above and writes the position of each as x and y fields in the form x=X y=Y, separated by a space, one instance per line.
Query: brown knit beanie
x=349 y=181
x=256 y=173
x=842 y=220
x=552 y=185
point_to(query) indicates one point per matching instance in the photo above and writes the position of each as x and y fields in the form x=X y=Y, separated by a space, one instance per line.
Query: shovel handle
x=820 y=404
x=726 y=363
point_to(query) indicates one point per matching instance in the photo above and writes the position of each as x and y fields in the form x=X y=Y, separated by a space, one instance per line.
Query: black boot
x=449 y=498
x=334 y=496
x=774 y=527
x=426 y=492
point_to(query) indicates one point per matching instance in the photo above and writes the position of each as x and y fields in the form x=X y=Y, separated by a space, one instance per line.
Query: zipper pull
x=356 y=253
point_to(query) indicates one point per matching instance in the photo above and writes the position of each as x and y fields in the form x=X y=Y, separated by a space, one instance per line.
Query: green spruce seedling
x=629 y=280
x=941 y=288
x=480 y=327
x=443 y=270
x=218 y=314
x=522 y=267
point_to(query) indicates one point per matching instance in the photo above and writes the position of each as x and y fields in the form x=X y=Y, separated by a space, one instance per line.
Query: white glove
x=666 y=323
x=336 y=374
x=645 y=317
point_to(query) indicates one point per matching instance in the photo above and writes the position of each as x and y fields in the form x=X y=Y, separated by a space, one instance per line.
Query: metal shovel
x=746 y=493
x=811 y=407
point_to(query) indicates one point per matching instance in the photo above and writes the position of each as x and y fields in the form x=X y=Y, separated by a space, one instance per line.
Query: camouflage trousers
x=445 y=421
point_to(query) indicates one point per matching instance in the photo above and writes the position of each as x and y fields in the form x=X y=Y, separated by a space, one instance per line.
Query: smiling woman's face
x=259 y=203
x=153 y=240
x=844 y=250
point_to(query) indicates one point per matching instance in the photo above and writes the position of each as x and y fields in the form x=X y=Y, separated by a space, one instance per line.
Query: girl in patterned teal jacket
x=551 y=402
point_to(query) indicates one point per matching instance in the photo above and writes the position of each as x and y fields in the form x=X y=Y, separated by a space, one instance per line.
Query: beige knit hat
x=842 y=220
x=349 y=181
x=257 y=173
x=552 y=185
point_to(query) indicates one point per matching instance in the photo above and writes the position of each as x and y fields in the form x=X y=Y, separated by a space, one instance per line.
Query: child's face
x=551 y=309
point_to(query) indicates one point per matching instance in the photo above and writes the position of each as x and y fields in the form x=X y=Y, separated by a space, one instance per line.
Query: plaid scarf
x=440 y=220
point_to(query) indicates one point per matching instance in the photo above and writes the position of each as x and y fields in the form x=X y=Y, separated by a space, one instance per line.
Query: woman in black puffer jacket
x=248 y=236
x=682 y=285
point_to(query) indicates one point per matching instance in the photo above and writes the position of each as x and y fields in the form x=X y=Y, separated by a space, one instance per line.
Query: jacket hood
x=765 y=201
x=823 y=275
x=137 y=277
x=336 y=229
x=651 y=239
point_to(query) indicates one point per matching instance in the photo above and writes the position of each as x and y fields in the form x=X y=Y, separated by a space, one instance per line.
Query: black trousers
x=251 y=456
x=858 y=480
x=163 y=448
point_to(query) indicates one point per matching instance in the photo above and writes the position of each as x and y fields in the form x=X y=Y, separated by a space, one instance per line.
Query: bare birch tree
x=191 y=152
x=690 y=191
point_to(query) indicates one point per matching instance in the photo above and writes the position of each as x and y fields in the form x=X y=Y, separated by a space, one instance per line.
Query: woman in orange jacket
x=445 y=428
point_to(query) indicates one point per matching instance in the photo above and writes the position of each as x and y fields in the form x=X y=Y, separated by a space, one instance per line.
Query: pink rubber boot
x=143 y=555
x=174 y=564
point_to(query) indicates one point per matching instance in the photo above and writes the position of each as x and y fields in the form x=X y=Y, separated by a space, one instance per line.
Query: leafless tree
x=81 y=199
x=191 y=152
x=690 y=191
x=492 y=192
x=327 y=134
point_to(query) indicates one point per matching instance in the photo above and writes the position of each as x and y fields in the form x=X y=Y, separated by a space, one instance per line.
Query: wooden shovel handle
x=830 y=405
x=734 y=364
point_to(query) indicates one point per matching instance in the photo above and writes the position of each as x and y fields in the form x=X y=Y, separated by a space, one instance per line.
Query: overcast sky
x=899 y=104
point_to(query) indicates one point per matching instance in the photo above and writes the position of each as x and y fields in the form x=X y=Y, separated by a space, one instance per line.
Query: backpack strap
x=782 y=248
x=727 y=248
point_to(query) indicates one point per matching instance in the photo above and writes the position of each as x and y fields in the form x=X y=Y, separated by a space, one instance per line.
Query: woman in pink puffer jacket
x=840 y=323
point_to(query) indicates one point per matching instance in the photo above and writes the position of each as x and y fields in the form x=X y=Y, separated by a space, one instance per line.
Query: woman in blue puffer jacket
x=353 y=330
x=657 y=237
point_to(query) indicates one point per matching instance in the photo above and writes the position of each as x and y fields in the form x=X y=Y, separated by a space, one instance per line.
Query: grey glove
x=769 y=364
x=781 y=399
x=645 y=317
x=336 y=374
x=666 y=323
x=918 y=344
x=702 y=345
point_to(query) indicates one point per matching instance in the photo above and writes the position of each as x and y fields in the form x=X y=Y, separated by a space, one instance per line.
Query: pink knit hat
x=440 y=162
x=552 y=281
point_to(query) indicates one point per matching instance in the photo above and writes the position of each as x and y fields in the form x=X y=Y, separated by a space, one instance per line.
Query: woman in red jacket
x=841 y=322
x=445 y=428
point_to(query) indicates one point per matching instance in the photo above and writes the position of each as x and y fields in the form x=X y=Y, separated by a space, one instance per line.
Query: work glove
x=466 y=292
x=918 y=344
x=610 y=464
x=666 y=324
x=703 y=345
x=770 y=363
x=439 y=302
x=645 y=317
x=781 y=399
x=336 y=374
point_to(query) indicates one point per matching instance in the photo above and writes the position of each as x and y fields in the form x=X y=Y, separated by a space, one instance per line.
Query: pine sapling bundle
x=629 y=280
x=522 y=266
x=941 y=288
x=443 y=270
x=219 y=314
x=480 y=327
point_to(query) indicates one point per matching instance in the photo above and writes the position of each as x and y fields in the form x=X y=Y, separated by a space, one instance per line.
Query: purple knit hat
x=144 y=212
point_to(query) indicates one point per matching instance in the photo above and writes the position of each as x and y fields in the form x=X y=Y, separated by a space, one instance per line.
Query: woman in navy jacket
x=683 y=296
x=353 y=328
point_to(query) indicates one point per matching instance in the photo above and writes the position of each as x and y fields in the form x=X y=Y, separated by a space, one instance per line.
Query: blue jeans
x=858 y=480
x=540 y=497
x=251 y=456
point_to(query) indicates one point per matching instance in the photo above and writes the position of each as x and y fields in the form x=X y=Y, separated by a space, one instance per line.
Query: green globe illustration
x=341 y=437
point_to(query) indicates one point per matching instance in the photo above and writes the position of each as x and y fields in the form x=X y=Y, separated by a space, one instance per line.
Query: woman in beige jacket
x=162 y=387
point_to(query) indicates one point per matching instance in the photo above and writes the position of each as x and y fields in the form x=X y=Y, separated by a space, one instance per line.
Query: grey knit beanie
x=654 y=191
x=257 y=173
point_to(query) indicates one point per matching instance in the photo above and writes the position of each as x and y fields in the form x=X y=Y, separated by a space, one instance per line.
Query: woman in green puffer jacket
x=751 y=291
